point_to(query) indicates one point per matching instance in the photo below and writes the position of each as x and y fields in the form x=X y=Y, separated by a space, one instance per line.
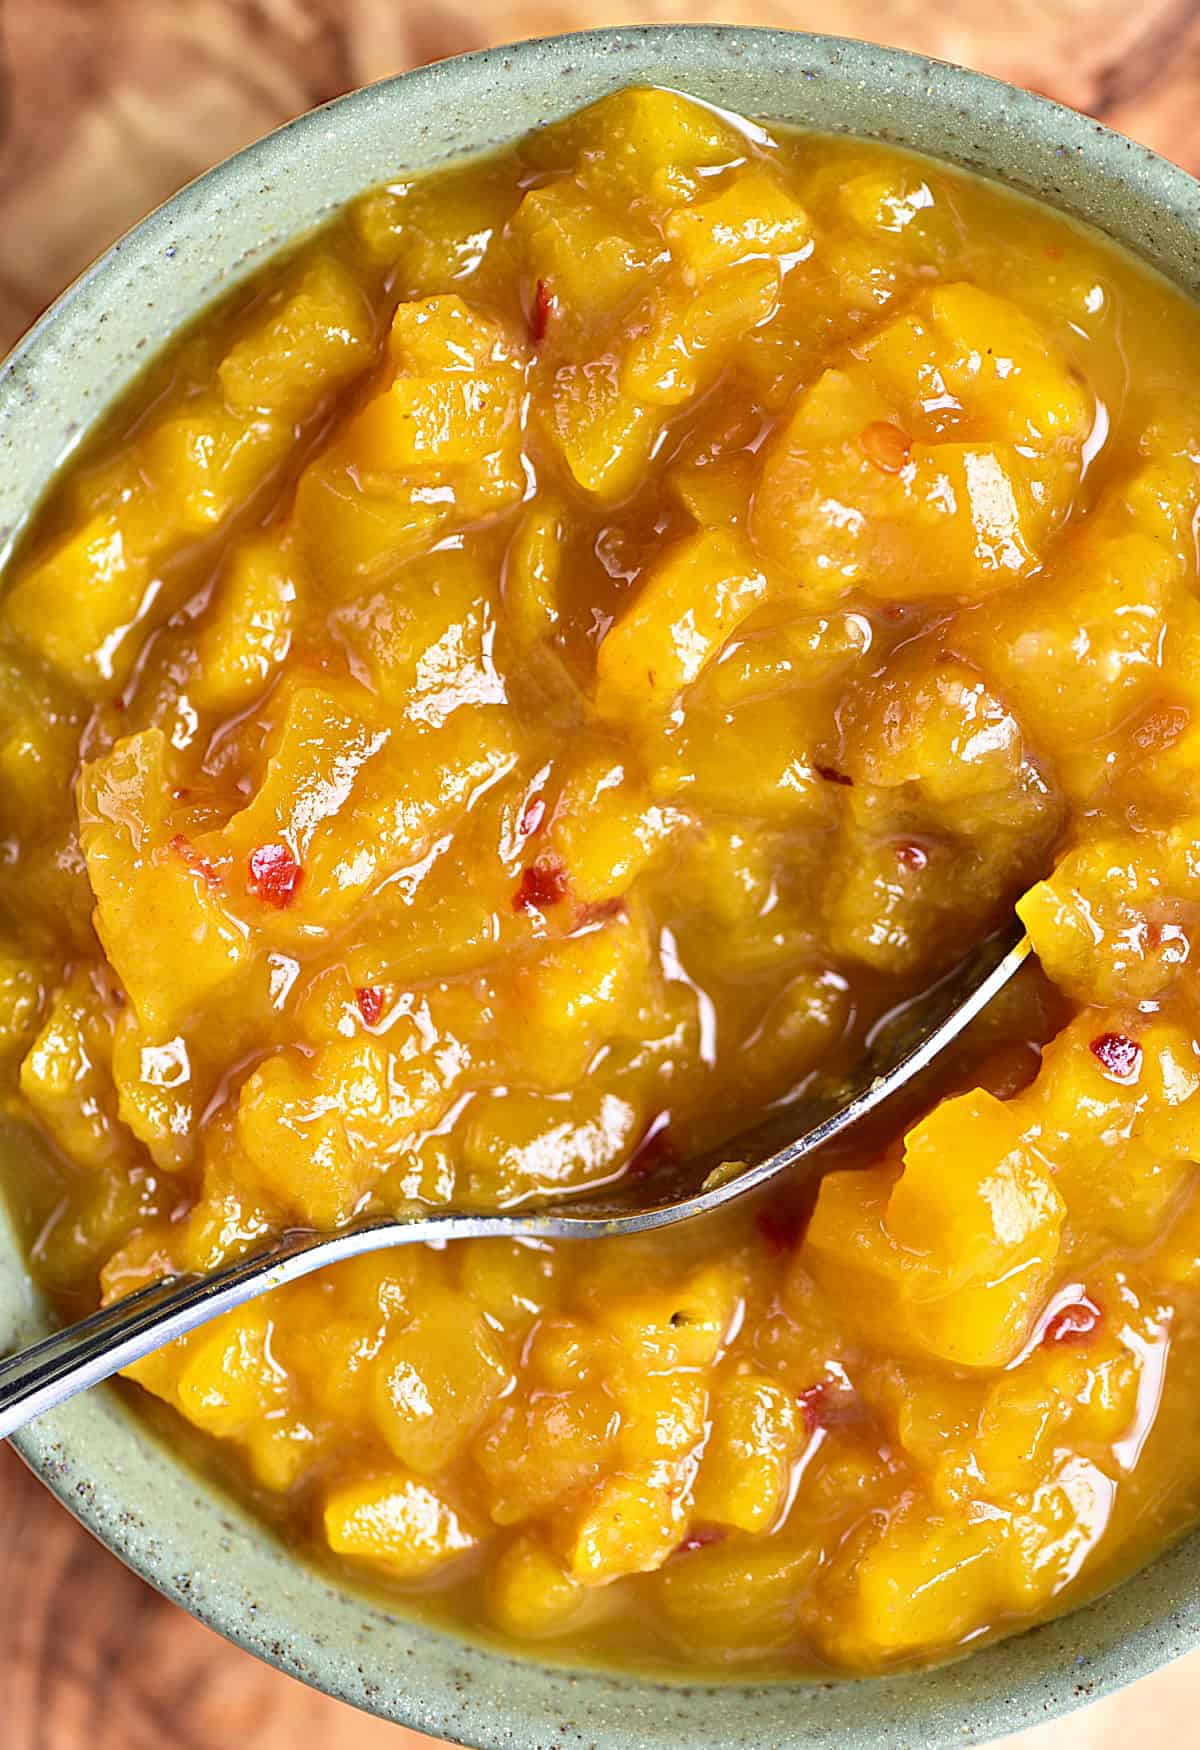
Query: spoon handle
x=45 y=1375
x=80 y=1355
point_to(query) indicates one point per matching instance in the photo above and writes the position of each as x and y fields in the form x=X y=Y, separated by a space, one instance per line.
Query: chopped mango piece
x=607 y=832
x=530 y=1593
x=981 y=1242
x=406 y=1526
x=22 y=995
x=605 y=437
x=592 y=257
x=681 y=1327
x=307 y=343
x=645 y=141
x=318 y=1134
x=445 y=420
x=734 y=1599
x=921 y=1588
x=524 y=1143
x=229 y=1372
x=586 y=991
x=532 y=569
x=699 y=333
x=758 y=1429
x=78 y=605
x=975 y=479
x=427 y=639
x=535 y=1454
x=66 y=1076
x=1111 y=923
x=153 y=895
x=752 y=215
x=205 y=462
x=629 y=1527
x=435 y=1380
x=250 y=628
x=686 y=608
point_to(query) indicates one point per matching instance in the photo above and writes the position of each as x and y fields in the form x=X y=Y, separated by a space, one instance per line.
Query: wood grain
x=94 y=1660
x=106 y=107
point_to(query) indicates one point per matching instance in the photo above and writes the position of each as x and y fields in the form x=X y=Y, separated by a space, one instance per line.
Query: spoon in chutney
x=80 y=1355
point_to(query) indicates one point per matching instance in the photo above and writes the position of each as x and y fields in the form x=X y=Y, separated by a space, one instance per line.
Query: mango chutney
x=524 y=686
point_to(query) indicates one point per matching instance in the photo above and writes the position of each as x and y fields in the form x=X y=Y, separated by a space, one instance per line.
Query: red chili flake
x=532 y=816
x=545 y=305
x=1073 y=1323
x=831 y=775
x=655 y=1150
x=912 y=856
x=119 y=704
x=1121 y=1057
x=1053 y=251
x=885 y=445
x=275 y=875
x=702 y=1539
x=181 y=795
x=543 y=884
x=781 y=1227
x=199 y=864
x=370 y=1004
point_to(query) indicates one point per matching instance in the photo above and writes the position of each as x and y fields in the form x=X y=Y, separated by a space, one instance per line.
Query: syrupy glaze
x=518 y=691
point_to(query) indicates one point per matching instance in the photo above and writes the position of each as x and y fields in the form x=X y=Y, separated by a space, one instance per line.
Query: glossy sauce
x=525 y=686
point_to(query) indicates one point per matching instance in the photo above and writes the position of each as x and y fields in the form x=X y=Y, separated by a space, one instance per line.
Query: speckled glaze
x=185 y=1537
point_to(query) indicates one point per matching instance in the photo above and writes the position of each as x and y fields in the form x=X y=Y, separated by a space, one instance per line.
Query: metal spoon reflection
x=83 y=1354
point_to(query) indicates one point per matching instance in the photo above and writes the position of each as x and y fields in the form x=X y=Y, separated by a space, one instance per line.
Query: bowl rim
x=477 y=1695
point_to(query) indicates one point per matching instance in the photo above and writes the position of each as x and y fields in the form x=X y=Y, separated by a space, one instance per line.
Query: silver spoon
x=81 y=1355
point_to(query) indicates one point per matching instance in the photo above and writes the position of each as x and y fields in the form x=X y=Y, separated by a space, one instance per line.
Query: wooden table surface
x=106 y=106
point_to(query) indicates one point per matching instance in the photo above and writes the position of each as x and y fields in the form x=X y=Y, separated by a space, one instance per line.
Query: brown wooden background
x=106 y=106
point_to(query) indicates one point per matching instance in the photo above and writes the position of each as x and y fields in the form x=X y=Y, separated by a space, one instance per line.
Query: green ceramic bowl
x=182 y=1535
